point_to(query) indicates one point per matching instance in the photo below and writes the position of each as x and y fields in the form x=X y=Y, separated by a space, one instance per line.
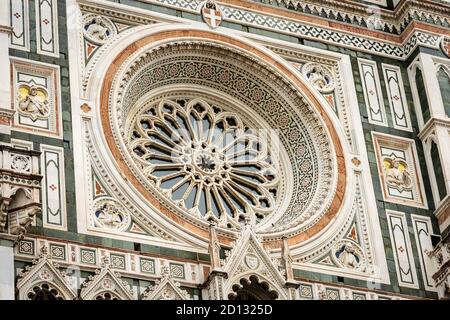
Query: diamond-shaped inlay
x=117 y=261
x=58 y=252
x=26 y=247
x=88 y=256
x=359 y=296
x=147 y=265
x=177 y=270
x=306 y=291
x=332 y=294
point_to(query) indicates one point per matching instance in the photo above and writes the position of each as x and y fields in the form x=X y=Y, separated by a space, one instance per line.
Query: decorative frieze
x=106 y=284
x=401 y=248
x=399 y=170
x=89 y=258
x=44 y=281
x=319 y=291
x=313 y=32
x=166 y=288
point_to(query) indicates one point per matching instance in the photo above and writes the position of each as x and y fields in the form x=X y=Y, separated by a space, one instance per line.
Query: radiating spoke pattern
x=206 y=160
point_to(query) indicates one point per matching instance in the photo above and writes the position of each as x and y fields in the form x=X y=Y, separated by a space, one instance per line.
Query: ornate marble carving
x=211 y=14
x=106 y=284
x=21 y=163
x=43 y=280
x=98 y=29
x=206 y=160
x=445 y=45
x=111 y=215
x=206 y=77
x=397 y=175
x=36 y=90
x=320 y=76
x=248 y=262
x=165 y=288
x=20 y=189
x=33 y=101
x=349 y=255
x=399 y=170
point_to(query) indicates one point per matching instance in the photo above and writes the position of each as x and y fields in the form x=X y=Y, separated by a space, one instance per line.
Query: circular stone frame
x=273 y=241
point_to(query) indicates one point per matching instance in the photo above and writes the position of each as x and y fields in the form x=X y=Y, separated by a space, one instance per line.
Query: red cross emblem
x=212 y=15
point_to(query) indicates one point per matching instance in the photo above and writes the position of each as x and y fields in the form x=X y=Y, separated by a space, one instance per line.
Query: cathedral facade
x=224 y=150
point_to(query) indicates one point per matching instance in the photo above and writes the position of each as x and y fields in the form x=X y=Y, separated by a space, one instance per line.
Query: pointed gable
x=248 y=257
x=166 y=289
x=45 y=272
x=106 y=285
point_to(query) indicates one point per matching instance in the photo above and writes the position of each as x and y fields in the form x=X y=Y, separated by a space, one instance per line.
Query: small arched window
x=438 y=173
x=44 y=292
x=444 y=86
x=422 y=97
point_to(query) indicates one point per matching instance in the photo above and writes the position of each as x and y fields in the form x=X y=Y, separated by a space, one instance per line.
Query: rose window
x=204 y=132
x=206 y=160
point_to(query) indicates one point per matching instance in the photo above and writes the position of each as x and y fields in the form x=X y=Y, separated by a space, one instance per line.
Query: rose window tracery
x=185 y=122
x=44 y=292
x=206 y=159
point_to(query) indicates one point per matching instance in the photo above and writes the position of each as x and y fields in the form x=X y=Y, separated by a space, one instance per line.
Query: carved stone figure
x=34 y=104
x=347 y=256
x=97 y=29
x=214 y=248
x=109 y=216
x=396 y=177
x=319 y=76
x=287 y=260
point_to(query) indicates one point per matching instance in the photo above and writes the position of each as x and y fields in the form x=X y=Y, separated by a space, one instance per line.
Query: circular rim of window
x=209 y=128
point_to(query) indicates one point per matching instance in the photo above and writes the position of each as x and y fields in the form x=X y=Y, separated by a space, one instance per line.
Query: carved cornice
x=6 y=29
x=365 y=16
x=431 y=125
x=421 y=32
